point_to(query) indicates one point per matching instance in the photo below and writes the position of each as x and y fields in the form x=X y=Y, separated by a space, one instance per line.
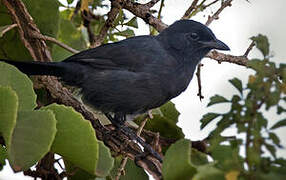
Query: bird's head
x=192 y=38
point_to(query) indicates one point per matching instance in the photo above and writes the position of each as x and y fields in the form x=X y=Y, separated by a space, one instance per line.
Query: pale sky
x=235 y=26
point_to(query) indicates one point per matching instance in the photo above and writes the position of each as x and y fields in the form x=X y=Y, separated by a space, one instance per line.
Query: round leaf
x=75 y=139
x=32 y=138
x=19 y=82
x=8 y=113
x=169 y=111
x=105 y=161
x=177 y=164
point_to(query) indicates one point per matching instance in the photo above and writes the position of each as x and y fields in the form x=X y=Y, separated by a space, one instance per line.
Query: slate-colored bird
x=136 y=74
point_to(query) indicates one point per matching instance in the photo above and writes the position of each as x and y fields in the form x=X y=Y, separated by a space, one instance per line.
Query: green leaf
x=271 y=149
x=279 y=124
x=105 y=161
x=126 y=33
x=77 y=173
x=261 y=43
x=119 y=18
x=274 y=98
x=70 y=1
x=237 y=84
x=259 y=66
x=275 y=139
x=227 y=157
x=8 y=113
x=165 y=126
x=207 y=118
x=253 y=156
x=19 y=82
x=45 y=14
x=169 y=111
x=198 y=158
x=32 y=138
x=208 y=171
x=280 y=109
x=69 y=35
x=3 y=157
x=131 y=171
x=217 y=99
x=11 y=39
x=75 y=139
x=276 y=173
x=280 y=161
x=132 y=22
x=177 y=164
x=261 y=121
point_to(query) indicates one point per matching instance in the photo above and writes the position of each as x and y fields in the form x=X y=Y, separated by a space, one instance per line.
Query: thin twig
x=142 y=11
x=140 y=128
x=7 y=28
x=121 y=168
x=250 y=47
x=160 y=9
x=47 y=38
x=152 y=29
x=151 y=3
x=198 y=74
x=221 y=57
x=224 y=4
x=208 y=5
x=111 y=16
x=190 y=9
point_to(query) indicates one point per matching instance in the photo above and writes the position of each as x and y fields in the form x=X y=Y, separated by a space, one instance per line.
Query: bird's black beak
x=216 y=44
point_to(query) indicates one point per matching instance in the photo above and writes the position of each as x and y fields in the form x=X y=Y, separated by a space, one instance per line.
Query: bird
x=136 y=74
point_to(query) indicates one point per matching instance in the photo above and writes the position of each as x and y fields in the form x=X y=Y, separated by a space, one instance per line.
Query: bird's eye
x=194 y=36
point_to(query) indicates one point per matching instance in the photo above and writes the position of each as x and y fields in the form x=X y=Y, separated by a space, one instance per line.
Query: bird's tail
x=37 y=68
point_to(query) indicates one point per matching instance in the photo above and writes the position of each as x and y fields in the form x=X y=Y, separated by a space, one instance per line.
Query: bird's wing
x=130 y=54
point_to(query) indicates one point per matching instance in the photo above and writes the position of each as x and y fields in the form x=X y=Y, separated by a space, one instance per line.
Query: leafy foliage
x=31 y=138
x=131 y=171
x=29 y=134
x=177 y=162
x=264 y=90
x=11 y=77
x=73 y=132
x=164 y=121
x=47 y=20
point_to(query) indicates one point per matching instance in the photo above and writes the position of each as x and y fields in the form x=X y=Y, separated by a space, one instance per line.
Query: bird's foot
x=119 y=121
x=148 y=150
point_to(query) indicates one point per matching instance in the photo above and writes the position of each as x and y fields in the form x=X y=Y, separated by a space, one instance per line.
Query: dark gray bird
x=136 y=74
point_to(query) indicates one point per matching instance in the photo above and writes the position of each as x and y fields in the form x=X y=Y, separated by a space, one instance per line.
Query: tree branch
x=198 y=74
x=7 y=28
x=111 y=16
x=47 y=38
x=143 y=11
x=151 y=3
x=221 y=57
x=250 y=47
x=224 y=4
x=190 y=9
